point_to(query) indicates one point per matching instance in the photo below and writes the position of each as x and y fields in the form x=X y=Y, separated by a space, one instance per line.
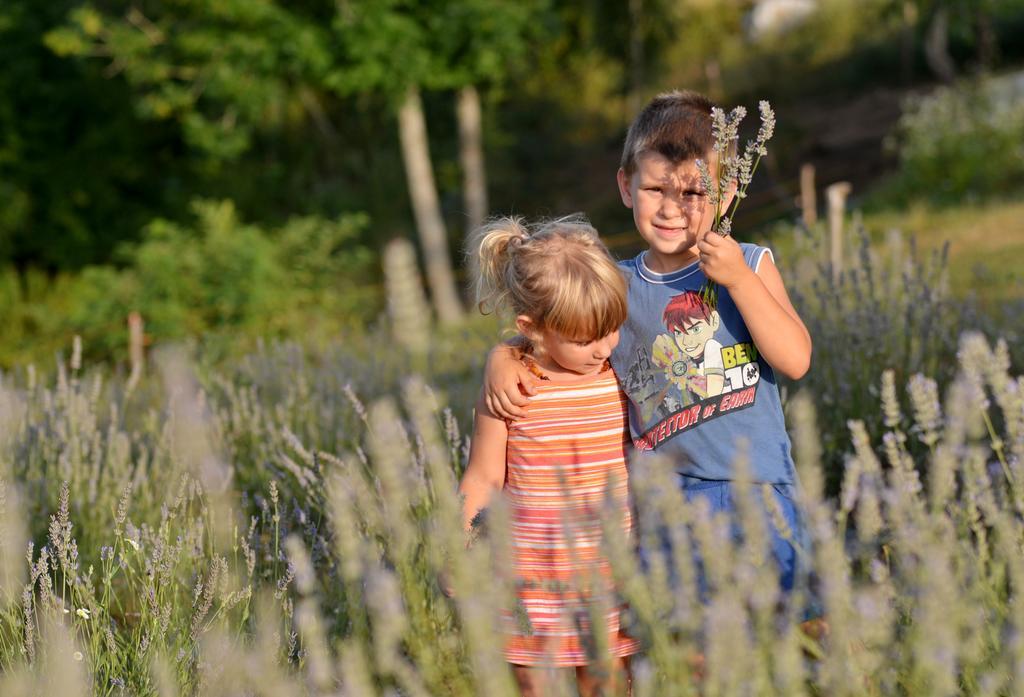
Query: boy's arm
x=761 y=297
x=506 y=380
x=485 y=473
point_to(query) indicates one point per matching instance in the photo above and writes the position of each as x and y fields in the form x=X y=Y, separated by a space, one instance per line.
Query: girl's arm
x=486 y=471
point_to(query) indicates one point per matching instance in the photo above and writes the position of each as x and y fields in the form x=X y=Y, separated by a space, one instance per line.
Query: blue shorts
x=789 y=562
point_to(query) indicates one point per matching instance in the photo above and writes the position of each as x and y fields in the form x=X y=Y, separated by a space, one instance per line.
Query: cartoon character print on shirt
x=689 y=354
x=689 y=376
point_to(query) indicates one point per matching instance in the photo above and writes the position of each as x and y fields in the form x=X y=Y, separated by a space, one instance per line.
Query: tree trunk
x=985 y=37
x=412 y=130
x=636 y=59
x=471 y=154
x=936 y=46
x=907 y=41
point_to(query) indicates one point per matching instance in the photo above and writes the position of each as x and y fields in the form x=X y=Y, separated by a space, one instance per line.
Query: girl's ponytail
x=556 y=272
x=495 y=246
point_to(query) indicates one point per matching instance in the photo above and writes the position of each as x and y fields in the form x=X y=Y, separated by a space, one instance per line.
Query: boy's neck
x=669 y=263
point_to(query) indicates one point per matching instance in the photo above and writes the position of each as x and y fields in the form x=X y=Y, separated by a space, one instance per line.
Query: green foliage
x=226 y=276
x=961 y=142
x=222 y=70
x=227 y=71
x=309 y=278
x=225 y=268
x=390 y=45
x=276 y=106
x=79 y=171
x=114 y=114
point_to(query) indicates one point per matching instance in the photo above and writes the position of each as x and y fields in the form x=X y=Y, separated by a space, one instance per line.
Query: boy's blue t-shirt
x=696 y=383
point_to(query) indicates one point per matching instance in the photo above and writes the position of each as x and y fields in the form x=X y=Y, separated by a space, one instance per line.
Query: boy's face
x=670 y=208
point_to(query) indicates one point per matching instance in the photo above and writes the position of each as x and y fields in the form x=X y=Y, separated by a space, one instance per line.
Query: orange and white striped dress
x=562 y=461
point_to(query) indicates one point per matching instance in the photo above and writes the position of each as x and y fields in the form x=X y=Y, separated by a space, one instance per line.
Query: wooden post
x=836 y=195
x=894 y=250
x=808 y=198
x=713 y=74
x=907 y=41
x=634 y=100
x=136 y=356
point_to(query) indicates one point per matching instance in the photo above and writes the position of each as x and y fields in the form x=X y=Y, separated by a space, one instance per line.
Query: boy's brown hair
x=676 y=125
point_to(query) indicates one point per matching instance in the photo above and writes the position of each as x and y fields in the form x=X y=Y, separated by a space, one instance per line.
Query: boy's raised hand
x=721 y=260
x=508 y=384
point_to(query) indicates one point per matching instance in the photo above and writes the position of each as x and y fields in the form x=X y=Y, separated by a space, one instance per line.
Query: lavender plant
x=261 y=530
x=890 y=309
x=733 y=171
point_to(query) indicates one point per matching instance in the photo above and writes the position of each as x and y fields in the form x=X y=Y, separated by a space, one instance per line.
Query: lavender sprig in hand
x=731 y=169
x=730 y=166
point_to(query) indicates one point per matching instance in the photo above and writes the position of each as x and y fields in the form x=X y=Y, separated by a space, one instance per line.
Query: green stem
x=997 y=446
x=736 y=201
x=718 y=186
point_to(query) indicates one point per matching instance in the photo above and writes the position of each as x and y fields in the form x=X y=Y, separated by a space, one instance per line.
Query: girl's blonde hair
x=558 y=273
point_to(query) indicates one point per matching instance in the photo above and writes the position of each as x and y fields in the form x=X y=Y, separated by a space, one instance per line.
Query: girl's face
x=558 y=354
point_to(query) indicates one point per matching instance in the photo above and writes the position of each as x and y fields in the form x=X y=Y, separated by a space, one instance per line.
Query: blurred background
x=235 y=169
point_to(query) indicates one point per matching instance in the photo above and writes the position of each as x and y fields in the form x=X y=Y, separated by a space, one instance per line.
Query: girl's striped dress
x=564 y=460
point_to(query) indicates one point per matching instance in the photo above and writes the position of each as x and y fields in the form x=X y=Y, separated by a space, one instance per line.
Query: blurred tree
x=907 y=10
x=482 y=42
x=692 y=39
x=936 y=44
x=227 y=71
x=636 y=55
x=238 y=91
x=970 y=21
x=221 y=70
x=398 y=47
x=76 y=162
x=419 y=172
x=233 y=89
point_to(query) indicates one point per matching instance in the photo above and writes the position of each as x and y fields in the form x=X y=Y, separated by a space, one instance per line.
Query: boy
x=707 y=385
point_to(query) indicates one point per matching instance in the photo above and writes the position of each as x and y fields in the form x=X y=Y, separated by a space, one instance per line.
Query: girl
x=557 y=466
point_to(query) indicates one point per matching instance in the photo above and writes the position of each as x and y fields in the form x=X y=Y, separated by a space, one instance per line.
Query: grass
x=986 y=242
